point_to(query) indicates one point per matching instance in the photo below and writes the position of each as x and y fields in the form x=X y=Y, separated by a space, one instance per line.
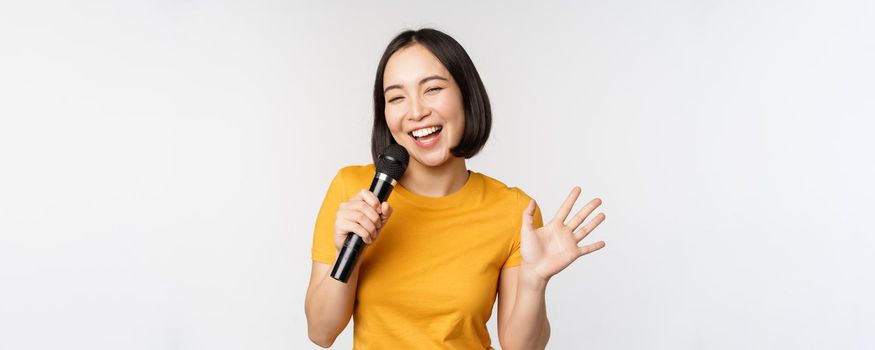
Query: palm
x=550 y=249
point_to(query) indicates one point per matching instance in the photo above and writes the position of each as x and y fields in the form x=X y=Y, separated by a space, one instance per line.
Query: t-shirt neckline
x=454 y=199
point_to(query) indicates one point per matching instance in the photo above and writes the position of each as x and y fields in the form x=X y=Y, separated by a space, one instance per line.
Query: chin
x=433 y=159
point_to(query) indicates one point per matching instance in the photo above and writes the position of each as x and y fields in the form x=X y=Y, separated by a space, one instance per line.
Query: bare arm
x=522 y=314
x=329 y=303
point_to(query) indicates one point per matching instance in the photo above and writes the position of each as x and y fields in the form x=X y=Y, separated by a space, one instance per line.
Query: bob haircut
x=475 y=102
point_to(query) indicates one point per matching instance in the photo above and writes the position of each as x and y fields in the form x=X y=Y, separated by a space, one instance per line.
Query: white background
x=163 y=163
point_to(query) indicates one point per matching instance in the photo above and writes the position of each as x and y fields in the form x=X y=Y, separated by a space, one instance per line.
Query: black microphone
x=390 y=166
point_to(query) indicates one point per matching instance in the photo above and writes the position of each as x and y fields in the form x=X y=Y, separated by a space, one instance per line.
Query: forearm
x=329 y=307
x=528 y=326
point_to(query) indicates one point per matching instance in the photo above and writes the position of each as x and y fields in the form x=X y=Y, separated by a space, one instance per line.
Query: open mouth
x=426 y=133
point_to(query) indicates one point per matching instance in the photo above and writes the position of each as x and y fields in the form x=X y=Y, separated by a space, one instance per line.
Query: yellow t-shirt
x=431 y=277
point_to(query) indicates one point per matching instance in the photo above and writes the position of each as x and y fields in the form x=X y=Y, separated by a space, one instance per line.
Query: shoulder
x=498 y=191
x=351 y=178
x=356 y=172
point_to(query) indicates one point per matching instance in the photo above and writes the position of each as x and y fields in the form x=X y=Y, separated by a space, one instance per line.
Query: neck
x=437 y=181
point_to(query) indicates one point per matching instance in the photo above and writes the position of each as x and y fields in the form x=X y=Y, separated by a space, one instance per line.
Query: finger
x=584 y=212
x=385 y=212
x=353 y=227
x=384 y=217
x=585 y=230
x=371 y=213
x=370 y=198
x=346 y=227
x=529 y=214
x=361 y=219
x=589 y=248
x=356 y=229
x=563 y=211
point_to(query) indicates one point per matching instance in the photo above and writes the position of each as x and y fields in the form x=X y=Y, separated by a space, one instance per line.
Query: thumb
x=529 y=214
x=386 y=211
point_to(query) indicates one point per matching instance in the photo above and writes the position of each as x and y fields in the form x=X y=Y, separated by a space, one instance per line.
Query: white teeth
x=425 y=131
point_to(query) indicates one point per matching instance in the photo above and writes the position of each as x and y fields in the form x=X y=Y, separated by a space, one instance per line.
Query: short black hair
x=475 y=101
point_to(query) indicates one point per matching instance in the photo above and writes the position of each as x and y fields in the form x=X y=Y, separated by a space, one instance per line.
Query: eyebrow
x=423 y=81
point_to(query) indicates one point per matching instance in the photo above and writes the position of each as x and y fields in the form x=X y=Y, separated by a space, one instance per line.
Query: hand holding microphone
x=360 y=219
x=363 y=215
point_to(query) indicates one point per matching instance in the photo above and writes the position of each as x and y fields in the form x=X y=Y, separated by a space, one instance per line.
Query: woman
x=429 y=277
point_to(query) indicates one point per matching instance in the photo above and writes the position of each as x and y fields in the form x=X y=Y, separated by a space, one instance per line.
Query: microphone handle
x=354 y=244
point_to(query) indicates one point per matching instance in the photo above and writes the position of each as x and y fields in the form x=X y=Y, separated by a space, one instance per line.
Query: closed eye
x=434 y=89
x=395 y=99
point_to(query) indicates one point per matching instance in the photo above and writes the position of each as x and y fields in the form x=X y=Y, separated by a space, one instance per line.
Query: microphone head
x=393 y=161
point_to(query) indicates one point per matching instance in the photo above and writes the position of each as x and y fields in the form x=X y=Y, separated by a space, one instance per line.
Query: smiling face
x=423 y=108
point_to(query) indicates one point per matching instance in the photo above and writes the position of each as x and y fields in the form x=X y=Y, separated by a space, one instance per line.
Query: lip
x=423 y=127
x=430 y=143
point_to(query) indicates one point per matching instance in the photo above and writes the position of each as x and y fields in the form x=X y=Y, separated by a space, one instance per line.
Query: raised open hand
x=550 y=249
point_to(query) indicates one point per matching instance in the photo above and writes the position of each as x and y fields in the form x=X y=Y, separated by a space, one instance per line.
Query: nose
x=417 y=109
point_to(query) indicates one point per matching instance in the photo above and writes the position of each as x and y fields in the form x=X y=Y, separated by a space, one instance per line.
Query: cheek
x=450 y=105
x=393 y=121
x=453 y=112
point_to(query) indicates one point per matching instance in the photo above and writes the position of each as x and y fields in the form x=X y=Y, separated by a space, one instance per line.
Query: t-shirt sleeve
x=515 y=258
x=324 y=250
